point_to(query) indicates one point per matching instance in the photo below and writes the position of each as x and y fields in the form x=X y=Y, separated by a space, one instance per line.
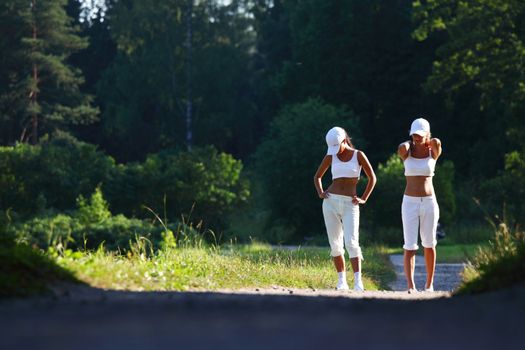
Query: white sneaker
x=342 y=285
x=358 y=286
x=412 y=291
x=429 y=289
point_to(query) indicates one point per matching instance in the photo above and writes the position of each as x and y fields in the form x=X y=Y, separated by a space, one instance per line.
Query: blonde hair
x=348 y=140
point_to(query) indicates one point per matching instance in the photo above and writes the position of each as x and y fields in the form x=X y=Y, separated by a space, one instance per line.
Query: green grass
x=449 y=253
x=229 y=266
x=26 y=271
x=499 y=265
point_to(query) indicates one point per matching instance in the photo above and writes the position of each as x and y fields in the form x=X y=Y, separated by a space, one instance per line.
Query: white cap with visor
x=420 y=126
x=334 y=137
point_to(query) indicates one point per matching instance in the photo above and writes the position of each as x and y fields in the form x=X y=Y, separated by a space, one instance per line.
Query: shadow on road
x=203 y=320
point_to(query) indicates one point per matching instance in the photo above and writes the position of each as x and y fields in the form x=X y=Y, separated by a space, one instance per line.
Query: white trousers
x=419 y=213
x=341 y=218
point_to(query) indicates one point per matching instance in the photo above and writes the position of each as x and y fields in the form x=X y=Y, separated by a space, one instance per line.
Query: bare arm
x=372 y=179
x=435 y=145
x=403 y=149
x=325 y=163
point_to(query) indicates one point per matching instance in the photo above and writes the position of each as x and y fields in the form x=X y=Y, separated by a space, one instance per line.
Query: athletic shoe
x=342 y=285
x=412 y=291
x=429 y=289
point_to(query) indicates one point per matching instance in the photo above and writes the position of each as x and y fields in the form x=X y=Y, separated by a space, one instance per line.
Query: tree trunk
x=189 y=105
x=33 y=93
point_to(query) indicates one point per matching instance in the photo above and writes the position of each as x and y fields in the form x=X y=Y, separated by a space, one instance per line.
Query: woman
x=341 y=203
x=419 y=208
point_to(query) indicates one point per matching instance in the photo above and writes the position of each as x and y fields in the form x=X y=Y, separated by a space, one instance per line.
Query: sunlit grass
x=225 y=267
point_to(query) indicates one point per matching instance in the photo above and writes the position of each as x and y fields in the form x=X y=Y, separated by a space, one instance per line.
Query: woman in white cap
x=341 y=202
x=419 y=209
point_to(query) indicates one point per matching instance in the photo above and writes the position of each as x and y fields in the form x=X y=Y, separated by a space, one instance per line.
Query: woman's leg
x=430 y=263
x=410 y=217
x=429 y=220
x=339 y=262
x=356 y=264
x=334 y=230
x=410 y=265
x=351 y=234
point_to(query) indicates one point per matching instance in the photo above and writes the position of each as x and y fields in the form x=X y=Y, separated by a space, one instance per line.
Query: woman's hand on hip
x=324 y=194
x=358 y=200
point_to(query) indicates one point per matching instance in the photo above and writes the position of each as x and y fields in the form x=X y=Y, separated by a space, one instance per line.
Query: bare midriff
x=419 y=186
x=345 y=186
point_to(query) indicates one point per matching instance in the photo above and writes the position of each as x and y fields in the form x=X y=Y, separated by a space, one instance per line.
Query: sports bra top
x=420 y=166
x=350 y=168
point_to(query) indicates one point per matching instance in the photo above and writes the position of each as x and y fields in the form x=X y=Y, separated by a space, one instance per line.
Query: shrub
x=94 y=211
x=50 y=175
x=287 y=159
x=506 y=191
x=500 y=265
x=203 y=184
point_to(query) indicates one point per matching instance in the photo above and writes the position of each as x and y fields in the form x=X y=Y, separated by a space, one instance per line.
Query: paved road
x=97 y=319
x=447 y=277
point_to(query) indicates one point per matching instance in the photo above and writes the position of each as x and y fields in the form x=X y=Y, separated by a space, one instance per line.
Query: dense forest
x=212 y=114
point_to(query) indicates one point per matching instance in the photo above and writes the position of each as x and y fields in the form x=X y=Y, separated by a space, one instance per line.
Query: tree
x=357 y=53
x=485 y=46
x=42 y=90
x=484 y=57
x=287 y=159
x=144 y=93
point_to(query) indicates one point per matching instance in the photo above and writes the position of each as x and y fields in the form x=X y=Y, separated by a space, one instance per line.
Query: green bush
x=503 y=195
x=383 y=210
x=92 y=224
x=203 y=184
x=50 y=175
x=287 y=159
x=500 y=265
x=95 y=210
x=87 y=227
x=68 y=231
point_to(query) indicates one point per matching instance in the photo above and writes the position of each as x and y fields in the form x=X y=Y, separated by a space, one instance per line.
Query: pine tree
x=41 y=91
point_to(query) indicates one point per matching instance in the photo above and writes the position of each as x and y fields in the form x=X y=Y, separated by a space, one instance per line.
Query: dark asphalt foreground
x=171 y=320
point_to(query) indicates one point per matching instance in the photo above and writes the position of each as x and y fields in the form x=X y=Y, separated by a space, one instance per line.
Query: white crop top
x=350 y=168
x=420 y=166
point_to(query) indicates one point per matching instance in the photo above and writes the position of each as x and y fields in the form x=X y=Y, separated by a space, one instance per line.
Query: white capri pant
x=341 y=218
x=419 y=213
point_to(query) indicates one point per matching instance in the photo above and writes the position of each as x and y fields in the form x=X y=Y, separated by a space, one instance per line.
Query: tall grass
x=501 y=264
x=208 y=267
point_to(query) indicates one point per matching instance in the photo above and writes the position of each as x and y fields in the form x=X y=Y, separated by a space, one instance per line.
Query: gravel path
x=447 y=277
x=80 y=317
x=87 y=318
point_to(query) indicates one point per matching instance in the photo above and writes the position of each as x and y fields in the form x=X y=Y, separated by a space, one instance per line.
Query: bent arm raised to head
x=325 y=163
x=435 y=145
x=403 y=149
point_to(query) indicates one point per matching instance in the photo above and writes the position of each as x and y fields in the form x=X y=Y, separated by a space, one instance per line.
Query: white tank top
x=420 y=166
x=350 y=168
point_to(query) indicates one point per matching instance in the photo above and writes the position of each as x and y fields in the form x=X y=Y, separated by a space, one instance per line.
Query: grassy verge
x=26 y=271
x=499 y=265
x=449 y=253
x=230 y=266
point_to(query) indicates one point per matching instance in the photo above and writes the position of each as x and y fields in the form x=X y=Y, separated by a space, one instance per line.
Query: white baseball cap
x=334 y=137
x=420 y=126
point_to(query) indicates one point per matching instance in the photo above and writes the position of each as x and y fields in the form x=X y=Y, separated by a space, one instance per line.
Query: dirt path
x=447 y=277
x=86 y=318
